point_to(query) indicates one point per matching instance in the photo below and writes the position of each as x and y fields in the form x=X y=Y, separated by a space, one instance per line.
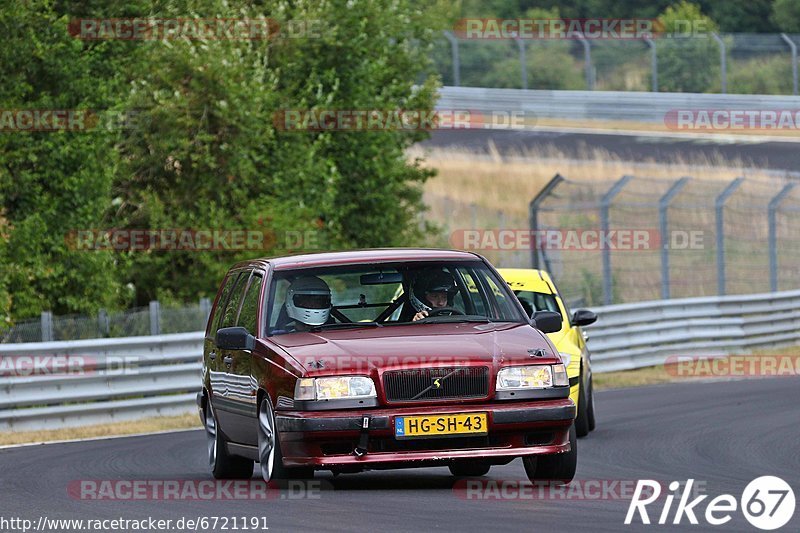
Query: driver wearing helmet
x=435 y=291
x=308 y=303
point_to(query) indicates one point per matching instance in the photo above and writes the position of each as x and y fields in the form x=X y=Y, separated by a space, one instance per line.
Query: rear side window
x=248 y=316
x=232 y=309
x=219 y=310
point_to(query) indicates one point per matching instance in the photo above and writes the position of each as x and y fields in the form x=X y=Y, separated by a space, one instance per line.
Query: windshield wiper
x=346 y=325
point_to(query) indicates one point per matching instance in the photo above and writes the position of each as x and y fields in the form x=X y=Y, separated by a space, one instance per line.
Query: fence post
x=523 y=64
x=773 y=235
x=47 y=326
x=605 y=206
x=723 y=62
x=663 y=206
x=719 y=205
x=793 y=48
x=456 y=59
x=587 y=57
x=533 y=216
x=155 y=318
x=103 y=326
x=653 y=63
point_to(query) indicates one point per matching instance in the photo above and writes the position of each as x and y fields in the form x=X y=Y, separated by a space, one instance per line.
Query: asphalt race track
x=764 y=153
x=723 y=434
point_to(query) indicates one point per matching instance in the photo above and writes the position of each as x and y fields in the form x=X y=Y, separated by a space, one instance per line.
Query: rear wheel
x=223 y=465
x=269 y=449
x=558 y=468
x=469 y=469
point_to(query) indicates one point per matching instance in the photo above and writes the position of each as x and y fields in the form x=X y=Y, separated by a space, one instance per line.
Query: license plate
x=410 y=427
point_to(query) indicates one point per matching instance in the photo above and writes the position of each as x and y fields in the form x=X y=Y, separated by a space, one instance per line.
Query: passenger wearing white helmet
x=308 y=303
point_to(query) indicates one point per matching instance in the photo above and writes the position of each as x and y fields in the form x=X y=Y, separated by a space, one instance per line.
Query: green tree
x=687 y=63
x=786 y=15
x=53 y=182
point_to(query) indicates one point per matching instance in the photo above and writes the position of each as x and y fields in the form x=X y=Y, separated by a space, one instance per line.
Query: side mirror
x=583 y=317
x=546 y=321
x=235 y=338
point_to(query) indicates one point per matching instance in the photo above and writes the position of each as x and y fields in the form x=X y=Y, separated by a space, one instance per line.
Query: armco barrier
x=601 y=105
x=138 y=377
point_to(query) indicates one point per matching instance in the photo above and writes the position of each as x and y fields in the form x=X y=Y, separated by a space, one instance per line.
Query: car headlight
x=532 y=377
x=567 y=358
x=334 y=388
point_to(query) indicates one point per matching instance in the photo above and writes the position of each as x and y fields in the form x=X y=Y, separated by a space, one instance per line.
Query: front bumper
x=327 y=438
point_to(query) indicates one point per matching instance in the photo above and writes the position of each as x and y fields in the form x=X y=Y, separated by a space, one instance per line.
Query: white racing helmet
x=308 y=300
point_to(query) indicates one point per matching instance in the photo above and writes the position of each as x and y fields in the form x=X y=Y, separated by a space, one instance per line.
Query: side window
x=248 y=315
x=219 y=310
x=278 y=299
x=229 y=318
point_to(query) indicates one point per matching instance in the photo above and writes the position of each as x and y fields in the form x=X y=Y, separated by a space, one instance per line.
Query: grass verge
x=187 y=421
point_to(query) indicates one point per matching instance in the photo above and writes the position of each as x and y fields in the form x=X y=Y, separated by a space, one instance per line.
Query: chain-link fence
x=728 y=63
x=640 y=239
x=134 y=322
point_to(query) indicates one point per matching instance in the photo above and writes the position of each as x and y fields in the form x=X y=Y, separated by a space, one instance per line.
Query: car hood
x=367 y=349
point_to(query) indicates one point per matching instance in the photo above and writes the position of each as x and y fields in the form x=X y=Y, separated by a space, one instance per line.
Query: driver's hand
x=419 y=316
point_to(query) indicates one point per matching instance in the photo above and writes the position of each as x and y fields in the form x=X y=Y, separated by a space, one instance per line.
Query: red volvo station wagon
x=381 y=359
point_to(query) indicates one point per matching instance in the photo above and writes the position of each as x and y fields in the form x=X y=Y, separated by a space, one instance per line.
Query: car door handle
x=212 y=355
x=228 y=360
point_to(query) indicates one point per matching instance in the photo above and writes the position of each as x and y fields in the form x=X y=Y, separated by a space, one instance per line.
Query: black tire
x=223 y=465
x=469 y=469
x=590 y=406
x=269 y=449
x=557 y=468
x=582 y=419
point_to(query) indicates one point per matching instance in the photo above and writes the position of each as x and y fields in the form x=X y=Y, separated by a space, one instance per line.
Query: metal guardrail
x=601 y=105
x=628 y=336
x=137 y=377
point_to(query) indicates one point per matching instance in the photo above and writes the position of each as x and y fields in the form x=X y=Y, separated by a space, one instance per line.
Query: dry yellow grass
x=506 y=182
x=655 y=126
x=188 y=421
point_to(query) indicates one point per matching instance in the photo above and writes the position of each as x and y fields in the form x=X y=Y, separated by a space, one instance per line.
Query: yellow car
x=537 y=292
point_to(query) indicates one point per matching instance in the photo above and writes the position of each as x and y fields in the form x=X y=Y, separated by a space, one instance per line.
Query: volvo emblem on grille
x=437 y=384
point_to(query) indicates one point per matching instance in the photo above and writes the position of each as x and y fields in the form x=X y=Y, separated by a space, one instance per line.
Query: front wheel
x=270 y=456
x=557 y=468
x=582 y=419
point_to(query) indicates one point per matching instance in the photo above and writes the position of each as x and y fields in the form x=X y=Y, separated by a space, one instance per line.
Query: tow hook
x=363 y=439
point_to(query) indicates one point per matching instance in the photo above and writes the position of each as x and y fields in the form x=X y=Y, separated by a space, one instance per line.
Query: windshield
x=537 y=301
x=387 y=294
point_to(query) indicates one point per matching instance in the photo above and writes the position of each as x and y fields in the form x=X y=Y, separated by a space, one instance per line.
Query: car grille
x=420 y=384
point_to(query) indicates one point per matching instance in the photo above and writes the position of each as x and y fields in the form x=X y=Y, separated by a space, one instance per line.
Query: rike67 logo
x=767 y=502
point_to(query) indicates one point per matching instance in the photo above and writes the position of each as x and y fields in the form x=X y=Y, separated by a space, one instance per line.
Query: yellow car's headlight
x=334 y=388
